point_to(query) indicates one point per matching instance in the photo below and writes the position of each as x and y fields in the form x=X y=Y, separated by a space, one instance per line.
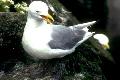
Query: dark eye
x=37 y=11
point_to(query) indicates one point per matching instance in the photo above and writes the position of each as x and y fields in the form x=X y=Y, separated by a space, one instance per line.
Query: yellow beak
x=48 y=18
x=106 y=46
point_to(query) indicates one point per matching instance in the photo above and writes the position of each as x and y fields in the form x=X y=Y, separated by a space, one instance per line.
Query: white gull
x=43 y=40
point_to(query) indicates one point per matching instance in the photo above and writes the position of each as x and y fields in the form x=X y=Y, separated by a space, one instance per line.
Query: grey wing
x=65 y=38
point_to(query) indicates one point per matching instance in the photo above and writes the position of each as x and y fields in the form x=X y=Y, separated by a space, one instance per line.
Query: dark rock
x=11 y=29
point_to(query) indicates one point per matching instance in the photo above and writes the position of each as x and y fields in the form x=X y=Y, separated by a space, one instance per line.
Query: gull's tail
x=83 y=27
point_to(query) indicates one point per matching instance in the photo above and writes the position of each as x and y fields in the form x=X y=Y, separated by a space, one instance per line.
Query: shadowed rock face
x=82 y=64
x=89 y=10
x=11 y=28
x=114 y=18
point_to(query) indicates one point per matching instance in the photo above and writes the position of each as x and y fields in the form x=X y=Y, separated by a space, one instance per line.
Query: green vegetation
x=5 y=6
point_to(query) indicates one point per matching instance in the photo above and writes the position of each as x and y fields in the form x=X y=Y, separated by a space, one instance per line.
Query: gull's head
x=103 y=40
x=39 y=10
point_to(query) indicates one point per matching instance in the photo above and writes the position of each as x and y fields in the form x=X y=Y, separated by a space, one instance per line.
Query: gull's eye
x=37 y=11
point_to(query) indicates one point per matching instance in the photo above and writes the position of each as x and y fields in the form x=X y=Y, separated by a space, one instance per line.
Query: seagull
x=103 y=40
x=43 y=40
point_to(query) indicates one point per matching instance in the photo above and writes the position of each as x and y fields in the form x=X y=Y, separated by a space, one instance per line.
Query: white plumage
x=44 y=40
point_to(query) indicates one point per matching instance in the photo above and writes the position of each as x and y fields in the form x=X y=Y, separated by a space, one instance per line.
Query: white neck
x=34 y=21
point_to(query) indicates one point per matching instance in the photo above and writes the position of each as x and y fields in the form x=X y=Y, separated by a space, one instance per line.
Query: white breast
x=35 y=42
